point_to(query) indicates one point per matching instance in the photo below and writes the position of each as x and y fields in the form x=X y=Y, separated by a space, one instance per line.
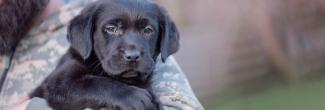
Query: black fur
x=16 y=16
x=100 y=70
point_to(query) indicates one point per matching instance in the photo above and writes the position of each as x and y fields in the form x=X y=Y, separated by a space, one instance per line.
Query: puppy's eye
x=148 y=30
x=110 y=29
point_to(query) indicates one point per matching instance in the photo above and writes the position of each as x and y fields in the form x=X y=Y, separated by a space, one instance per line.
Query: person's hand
x=20 y=105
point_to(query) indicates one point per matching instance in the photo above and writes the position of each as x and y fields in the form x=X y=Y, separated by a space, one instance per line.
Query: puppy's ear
x=169 y=36
x=80 y=31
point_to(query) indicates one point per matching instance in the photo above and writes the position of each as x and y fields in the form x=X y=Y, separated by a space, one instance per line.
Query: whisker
x=96 y=62
x=97 y=68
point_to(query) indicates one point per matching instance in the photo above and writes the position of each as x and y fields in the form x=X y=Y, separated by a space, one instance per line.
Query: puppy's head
x=125 y=35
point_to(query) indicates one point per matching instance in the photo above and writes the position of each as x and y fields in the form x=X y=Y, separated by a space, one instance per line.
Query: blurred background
x=253 y=54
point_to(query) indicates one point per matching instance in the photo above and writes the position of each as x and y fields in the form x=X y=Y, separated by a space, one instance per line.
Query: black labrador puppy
x=114 y=46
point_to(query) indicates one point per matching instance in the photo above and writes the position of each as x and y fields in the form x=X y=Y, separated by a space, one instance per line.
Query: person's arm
x=170 y=84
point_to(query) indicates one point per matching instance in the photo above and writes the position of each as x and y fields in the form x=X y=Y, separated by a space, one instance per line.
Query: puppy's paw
x=138 y=99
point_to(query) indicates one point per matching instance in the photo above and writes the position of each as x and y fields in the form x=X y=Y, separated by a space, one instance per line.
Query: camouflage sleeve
x=170 y=84
x=37 y=55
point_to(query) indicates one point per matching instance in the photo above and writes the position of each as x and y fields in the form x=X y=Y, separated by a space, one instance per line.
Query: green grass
x=309 y=96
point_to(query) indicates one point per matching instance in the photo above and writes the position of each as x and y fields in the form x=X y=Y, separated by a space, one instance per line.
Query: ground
x=308 y=96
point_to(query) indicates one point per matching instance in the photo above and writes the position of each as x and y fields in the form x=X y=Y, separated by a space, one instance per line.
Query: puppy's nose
x=131 y=55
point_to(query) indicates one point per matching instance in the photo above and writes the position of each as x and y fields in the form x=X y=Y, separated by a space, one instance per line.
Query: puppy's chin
x=112 y=69
x=127 y=74
x=130 y=74
x=132 y=77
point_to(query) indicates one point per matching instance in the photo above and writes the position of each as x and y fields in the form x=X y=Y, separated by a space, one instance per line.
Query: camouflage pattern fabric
x=37 y=55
